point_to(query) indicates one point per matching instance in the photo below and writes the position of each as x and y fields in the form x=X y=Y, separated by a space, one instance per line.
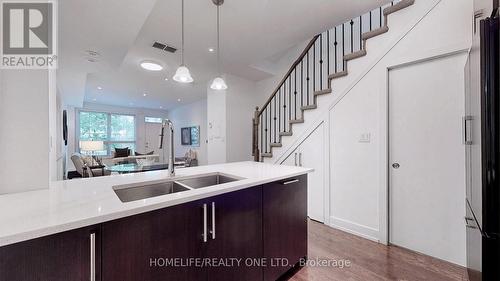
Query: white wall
x=229 y=118
x=24 y=130
x=194 y=114
x=216 y=125
x=241 y=98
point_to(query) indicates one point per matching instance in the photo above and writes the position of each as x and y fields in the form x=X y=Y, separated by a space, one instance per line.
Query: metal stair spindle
x=314 y=67
x=301 y=83
x=328 y=52
x=308 y=78
x=343 y=46
x=284 y=107
x=275 y=119
x=335 y=46
x=279 y=111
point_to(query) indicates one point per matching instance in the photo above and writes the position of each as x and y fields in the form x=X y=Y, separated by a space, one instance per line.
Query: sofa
x=129 y=159
x=82 y=164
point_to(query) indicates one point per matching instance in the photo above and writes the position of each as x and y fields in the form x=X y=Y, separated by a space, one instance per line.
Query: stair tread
x=276 y=144
x=295 y=121
x=323 y=92
x=286 y=134
x=374 y=33
x=268 y=155
x=338 y=74
x=308 y=107
x=399 y=6
x=355 y=55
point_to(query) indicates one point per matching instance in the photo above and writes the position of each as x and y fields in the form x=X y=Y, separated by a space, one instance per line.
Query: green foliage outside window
x=117 y=131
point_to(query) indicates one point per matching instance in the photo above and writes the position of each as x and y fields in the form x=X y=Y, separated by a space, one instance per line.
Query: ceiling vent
x=164 y=47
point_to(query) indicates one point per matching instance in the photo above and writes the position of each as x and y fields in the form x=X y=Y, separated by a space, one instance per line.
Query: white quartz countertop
x=78 y=203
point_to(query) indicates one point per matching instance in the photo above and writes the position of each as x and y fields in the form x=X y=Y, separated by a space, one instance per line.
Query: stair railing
x=324 y=58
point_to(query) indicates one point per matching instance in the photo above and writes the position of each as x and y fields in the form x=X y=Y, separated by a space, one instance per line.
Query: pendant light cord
x=182 y=55
x=218 y=40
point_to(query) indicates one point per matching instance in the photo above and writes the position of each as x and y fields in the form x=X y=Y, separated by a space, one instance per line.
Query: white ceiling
x=122 y=31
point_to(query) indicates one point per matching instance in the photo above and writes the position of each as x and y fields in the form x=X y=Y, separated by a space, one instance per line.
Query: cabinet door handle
x=204 y=223
x=295 y=158
x=213 y=221
x=290 y=182
x=300 y=159
x=92 y=257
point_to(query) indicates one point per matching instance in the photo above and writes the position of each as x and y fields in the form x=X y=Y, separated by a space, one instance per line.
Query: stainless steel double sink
x=133 y=192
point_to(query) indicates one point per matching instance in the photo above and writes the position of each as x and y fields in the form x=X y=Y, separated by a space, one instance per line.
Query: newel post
x=255 y=136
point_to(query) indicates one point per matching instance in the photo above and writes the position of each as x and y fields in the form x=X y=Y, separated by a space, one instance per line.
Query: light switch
x=365 y=138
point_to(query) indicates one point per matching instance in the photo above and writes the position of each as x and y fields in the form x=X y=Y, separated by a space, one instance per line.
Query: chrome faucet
x=167 y=123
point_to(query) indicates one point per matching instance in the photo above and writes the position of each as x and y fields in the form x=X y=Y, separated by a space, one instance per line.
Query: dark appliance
x=482 y=137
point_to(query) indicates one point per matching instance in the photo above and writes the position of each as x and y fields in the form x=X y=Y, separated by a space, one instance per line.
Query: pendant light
x=182 y=75
x=218 y=83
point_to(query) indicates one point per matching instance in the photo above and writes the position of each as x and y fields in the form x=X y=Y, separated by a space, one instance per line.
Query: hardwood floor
x=370 y=261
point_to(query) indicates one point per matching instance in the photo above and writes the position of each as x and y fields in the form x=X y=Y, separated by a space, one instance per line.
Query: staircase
x=324 y=59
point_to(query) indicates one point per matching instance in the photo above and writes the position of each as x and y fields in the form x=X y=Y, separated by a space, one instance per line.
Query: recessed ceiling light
x=145 y=94
x=151 y=66
x=211 y=50
x=166 y=79
x=99 y=88
x=178 y=99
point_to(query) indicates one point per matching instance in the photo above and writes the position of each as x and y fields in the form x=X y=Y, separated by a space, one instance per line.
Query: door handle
x=204 y=235
x=295 y=158
x=300 y=159
x=213 y=221
x=290 y=182
x=92 y=257
x=396 y=165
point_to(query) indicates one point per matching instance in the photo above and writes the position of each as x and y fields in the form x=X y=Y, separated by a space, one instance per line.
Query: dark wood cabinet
x=284 y=225
x=154 y=246
x=178 y=242
x=160 y=244
x=59 y=257
x=238 y=234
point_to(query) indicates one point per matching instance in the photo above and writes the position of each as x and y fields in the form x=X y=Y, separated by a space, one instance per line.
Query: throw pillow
x=122 y=152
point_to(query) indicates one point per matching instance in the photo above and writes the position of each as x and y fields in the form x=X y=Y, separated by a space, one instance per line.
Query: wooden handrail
x=294 y=65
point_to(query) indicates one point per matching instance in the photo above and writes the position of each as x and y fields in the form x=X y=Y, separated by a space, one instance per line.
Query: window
x=153 y=120
x=116 y=130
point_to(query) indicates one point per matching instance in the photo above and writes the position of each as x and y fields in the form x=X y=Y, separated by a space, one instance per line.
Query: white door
x=427 y=158
x=151 y=140
x=312 y=155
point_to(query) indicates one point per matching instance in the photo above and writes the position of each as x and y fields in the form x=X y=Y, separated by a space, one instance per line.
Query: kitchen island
x=82 y=230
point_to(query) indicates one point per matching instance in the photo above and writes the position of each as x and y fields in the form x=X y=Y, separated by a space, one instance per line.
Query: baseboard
x=356 y=229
